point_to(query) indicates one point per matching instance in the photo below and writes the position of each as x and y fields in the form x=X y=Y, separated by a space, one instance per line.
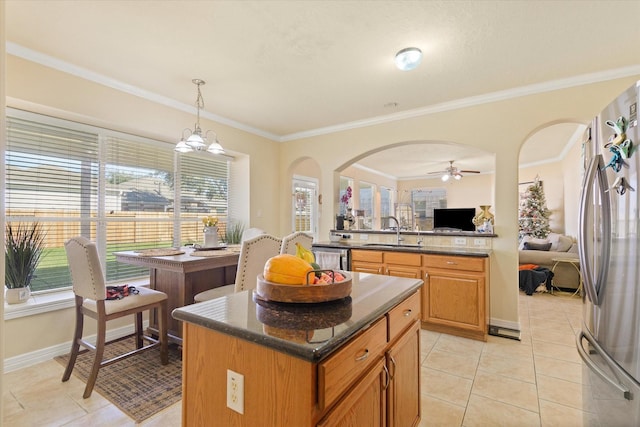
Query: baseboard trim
x=33 y=358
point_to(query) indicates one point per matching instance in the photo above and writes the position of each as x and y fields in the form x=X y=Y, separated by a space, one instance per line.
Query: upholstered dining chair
x=254 y=253
x=90 y=300
x=250 y=233
x=289 y=242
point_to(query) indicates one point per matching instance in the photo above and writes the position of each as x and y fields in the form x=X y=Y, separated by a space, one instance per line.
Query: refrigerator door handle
x=595 y=173
x=626 y=393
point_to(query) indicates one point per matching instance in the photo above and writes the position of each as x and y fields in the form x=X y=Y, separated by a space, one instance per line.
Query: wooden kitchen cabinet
x=391 y=263
x=365 y=405
x=403 y=393
x=389 y=394
x=456 y=295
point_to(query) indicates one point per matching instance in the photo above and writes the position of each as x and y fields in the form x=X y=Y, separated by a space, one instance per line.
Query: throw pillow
x=531 y=246
x=526 y=239
x=554 y=238
x=564 y=244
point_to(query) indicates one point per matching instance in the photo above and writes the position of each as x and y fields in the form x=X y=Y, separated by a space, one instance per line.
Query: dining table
x=181 y=274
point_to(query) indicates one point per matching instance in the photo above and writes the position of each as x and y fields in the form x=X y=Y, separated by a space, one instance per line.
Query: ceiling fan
x=451 y=172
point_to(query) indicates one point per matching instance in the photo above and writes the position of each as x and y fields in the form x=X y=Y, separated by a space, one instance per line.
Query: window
x=118 y=190
x=386 y=202
x=345 y=183
x=365 y=208
x=304 y=206
x=424 y=201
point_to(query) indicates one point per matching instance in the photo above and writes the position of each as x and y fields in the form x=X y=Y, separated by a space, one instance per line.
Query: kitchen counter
x=248 y=362
x=436 y=250
x=307 y=331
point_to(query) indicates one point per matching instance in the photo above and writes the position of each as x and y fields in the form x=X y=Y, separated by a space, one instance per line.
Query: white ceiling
x=285 y=69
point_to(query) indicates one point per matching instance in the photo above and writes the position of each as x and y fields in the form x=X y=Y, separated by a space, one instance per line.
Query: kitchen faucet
x=398 y=239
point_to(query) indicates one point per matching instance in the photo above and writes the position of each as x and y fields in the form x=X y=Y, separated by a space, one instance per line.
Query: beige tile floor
x=503 y=382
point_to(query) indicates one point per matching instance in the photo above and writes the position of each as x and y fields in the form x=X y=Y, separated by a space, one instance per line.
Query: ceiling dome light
x=408 y=58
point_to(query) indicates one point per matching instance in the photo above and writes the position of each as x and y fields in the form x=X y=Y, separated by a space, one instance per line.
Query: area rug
x=139 y=386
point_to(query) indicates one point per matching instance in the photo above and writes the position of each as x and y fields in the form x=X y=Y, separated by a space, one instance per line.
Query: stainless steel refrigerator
x=609 y=243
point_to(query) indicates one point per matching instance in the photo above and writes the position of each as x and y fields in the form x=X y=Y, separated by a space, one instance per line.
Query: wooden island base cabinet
x=372 y=379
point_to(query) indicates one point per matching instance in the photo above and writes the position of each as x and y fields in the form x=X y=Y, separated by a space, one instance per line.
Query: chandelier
x=195 y=141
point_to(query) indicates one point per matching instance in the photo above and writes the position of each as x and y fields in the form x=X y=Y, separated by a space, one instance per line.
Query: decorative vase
x=210 y=237
x=484 y=218
x=17 y=295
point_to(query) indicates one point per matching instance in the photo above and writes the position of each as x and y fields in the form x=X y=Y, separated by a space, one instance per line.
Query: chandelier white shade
x=196 y=141
x=408 y=58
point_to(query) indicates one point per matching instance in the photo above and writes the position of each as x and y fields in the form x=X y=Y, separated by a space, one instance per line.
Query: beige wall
x=470 y=192
x=500 y=128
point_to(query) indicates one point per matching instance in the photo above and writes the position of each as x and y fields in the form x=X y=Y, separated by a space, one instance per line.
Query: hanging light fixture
x=195 y=141
x=451 y=174
x=408 y=58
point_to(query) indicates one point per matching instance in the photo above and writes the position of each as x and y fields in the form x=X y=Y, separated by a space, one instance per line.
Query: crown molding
x=66 y=67
x=487 y=98
x=553 y=85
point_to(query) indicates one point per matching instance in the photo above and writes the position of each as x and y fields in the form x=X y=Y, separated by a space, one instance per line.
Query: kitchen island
x=305 y=364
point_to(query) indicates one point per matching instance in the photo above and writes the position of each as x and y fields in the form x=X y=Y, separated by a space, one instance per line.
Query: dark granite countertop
x=436 y=250
x=308 y=331
x=417 y=233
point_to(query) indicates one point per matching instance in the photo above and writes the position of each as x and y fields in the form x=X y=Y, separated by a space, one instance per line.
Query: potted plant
x=24 y=245
x=233 y=234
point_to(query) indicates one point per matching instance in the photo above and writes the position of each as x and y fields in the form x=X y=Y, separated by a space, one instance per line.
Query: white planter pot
x=17 y=295
x=210 y=237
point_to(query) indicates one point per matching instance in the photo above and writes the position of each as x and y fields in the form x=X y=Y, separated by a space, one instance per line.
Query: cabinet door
x=455 y=299
x=364 y=405
x=403 y=396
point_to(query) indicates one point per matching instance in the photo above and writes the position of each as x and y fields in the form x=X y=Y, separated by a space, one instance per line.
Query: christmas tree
x=533 y=218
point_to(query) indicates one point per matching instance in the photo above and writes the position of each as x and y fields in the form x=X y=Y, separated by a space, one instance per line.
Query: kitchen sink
x=393 y=245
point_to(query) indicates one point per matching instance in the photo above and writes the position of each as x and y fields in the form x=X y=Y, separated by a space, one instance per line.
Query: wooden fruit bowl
x=270 y=291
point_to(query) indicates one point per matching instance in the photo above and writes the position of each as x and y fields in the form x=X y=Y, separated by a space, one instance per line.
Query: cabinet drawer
x=399 y=258
x=403 y=315
x=368 y=256
x=452 y=262
x=339 y=371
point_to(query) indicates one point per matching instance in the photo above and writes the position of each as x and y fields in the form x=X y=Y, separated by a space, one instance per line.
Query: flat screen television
x=454 y=219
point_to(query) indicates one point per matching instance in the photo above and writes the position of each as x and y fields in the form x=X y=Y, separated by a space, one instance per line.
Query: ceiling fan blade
x=436 y=173
x=463 y=171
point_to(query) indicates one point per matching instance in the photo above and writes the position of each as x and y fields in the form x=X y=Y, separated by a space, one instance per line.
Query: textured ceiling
x=286 y=68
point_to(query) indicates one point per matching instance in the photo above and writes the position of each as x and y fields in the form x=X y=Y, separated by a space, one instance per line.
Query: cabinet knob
x=364 y=356
x=452 y=263
x=407 y=313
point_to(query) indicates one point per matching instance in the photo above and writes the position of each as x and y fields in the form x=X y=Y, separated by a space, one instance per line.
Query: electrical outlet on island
x=235 y=391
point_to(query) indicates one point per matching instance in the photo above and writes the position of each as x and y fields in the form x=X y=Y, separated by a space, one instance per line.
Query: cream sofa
x=532 y=251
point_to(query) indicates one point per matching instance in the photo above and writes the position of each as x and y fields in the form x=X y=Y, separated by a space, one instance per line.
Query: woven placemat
x=217 y=252
x=159 y=252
